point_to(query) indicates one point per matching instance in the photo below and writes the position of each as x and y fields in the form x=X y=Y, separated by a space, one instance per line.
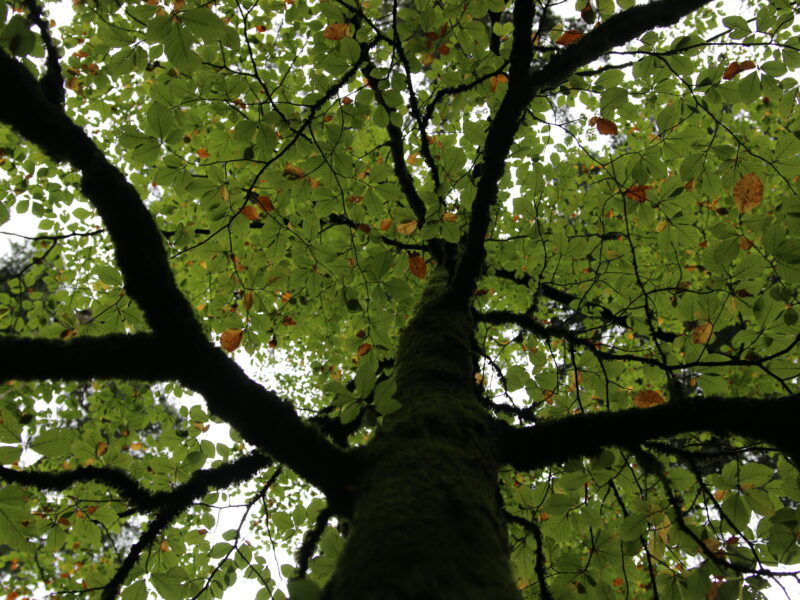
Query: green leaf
x=54 y=443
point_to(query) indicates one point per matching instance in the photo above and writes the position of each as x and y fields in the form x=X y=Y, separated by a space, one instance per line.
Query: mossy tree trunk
x=426 y=523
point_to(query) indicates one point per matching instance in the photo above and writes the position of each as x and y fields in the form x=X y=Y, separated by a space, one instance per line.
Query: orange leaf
x=335 y=31
x=647 y=399
x=449 y=217
x=638 y=192
x=385 y=224
x=496 y=79
x=748 y=192
x=314 y=183
x=569 y=37
x=747 y=65
x=702 y=333
x=136 y=446
x=293 y=173
x=444 y=49
x=604 y=126
x=230 y=339
x=412 y=158
x=101 y=448
x=417 y=265
x=164 y=547
x=364 y=348
x=347 y=100
x=260 y=28
x=407 y=228
x=203 y=153
x=251 y=213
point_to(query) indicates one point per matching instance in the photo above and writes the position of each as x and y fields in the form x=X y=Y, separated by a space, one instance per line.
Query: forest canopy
x=496 y=299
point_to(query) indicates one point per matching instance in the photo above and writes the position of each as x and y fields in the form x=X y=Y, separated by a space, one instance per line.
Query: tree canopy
x=515 y=285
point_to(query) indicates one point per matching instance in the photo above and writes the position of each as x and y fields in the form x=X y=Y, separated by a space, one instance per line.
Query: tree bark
x=426 y=524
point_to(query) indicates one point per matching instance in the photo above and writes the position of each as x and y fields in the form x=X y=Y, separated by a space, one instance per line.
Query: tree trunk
x=426 y=524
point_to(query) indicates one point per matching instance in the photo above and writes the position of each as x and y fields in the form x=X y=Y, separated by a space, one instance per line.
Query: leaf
x=417 y=265
x=203 y=153
x=251 y=213
x=364 y=348
x=407 y=228
x=293 y=173
x=336 y=31
x=265 y=202
x=735 y=68
x=748 y=192
x=702 y=333
x=569 y=37
x=230 y=339
x=604 y=126
x=54 y=443
x=637 y=192
x=385 y=224
x=495 y=80
x=647 y=399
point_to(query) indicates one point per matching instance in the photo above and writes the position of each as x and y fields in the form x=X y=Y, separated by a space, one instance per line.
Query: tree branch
x=522 y=89
x=262 y=417
x=138 y=496
x=556 y=441
x=116 y=356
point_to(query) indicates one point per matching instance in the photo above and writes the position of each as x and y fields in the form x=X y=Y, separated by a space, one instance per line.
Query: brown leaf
x=702 y=333
x=449 y=217
x=407 y=228
x=604 y=126
x=265 y=202
x=335 y=31
x=247 y=301
x=289 y=321
x=101 y=448
x=638 y=192
x=569 y=37
x=745 y=243
x=748 y=192
x=385 y=224
x=747 y=65
x=587 y=14
x=364 y=348
x=230 y=339
x=647 y=399
x=293 y=173
x=251 y=213
x=732 y=71
x=417 y=265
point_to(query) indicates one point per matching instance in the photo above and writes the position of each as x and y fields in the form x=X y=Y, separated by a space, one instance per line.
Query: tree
x=528 y=277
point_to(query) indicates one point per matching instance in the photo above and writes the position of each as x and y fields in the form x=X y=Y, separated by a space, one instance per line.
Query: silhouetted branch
x=178 y=501
x=134 y=493
x=116 y=356
x=556 y=441
x=53 y=82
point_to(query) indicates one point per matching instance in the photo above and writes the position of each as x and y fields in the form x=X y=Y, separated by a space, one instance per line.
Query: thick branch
x=140 y=357
x=619 y=29
x=551 y=442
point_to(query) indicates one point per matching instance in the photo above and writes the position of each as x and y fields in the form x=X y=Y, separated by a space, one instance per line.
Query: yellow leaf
x=101 y=448
x=661 y=226
x=407 y=228
x=647 y=399
x=748 y=192
x=702 y=333
x=449 y=217
x=230 y=339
